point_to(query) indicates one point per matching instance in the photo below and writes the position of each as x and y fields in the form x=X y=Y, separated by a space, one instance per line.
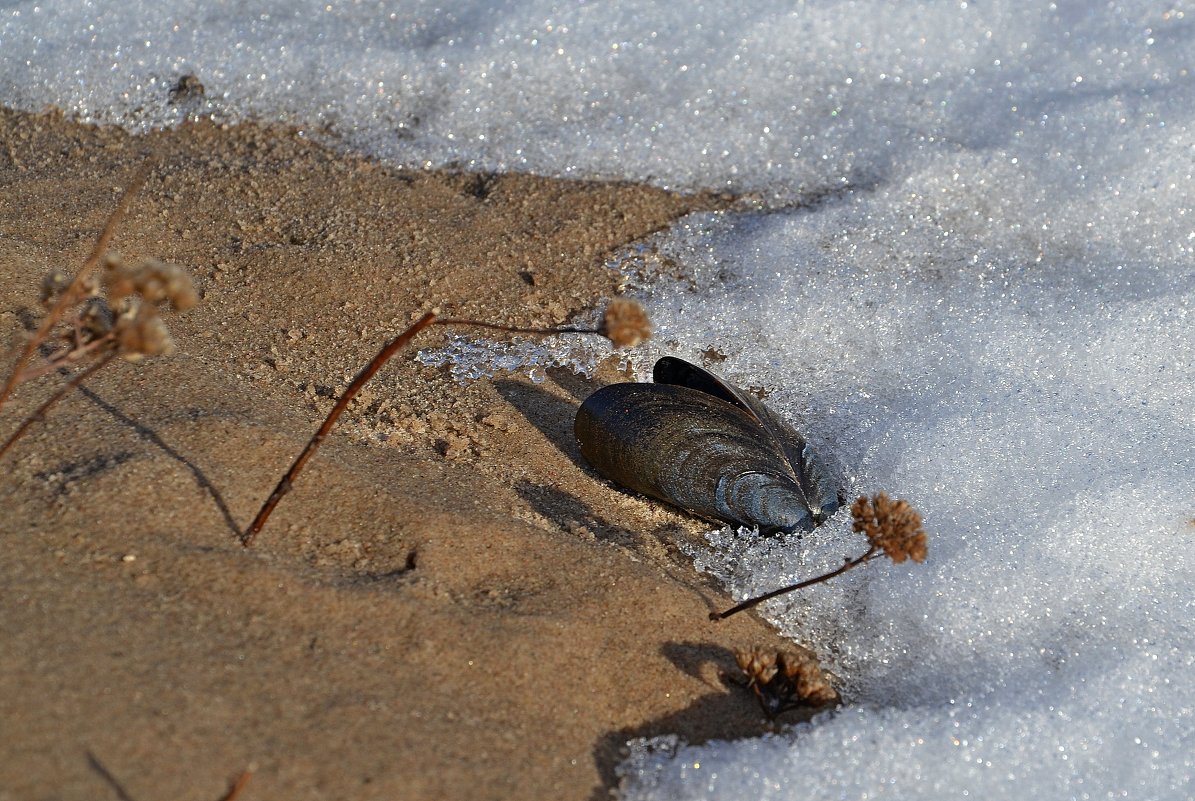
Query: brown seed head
x=157 y=281
x=56 y=282
x=805 y=674
x=141 y=332
x=153 y=280
x=626 y=323
x=118 y=279
x=893 y=526
x=758 y=665
x=784 y=680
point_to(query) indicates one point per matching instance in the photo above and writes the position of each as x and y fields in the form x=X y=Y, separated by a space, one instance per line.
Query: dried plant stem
x=514 y=329
x=64 y=359
x=375 y=364
x=872 y=552
x=53 y=399
x=70 y=295
x=237 y=786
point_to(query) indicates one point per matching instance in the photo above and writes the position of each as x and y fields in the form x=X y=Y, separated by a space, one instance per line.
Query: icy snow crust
x=970 y=279
x=1038 y=412
x=778 y=97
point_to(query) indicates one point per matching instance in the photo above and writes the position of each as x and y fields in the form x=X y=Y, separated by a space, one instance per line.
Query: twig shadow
x=151 y=436
x=94 y=762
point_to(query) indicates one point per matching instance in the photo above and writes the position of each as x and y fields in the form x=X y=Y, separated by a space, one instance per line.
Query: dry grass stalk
x=619 y=307
x=784 y=680
x=624 y=323
x=95 y=320
x=371 y=369
x=237 y=786
x=73 y=292
x=893 y=529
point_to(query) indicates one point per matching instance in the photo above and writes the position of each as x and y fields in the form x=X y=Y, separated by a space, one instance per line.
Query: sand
x=450 y=604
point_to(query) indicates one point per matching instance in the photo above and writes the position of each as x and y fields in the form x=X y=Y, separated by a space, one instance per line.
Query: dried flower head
x=804 y=673
x=56 y=281
x=784 y=680
x=154 y=280
x=118 y=280
x=626 y=323
x=140 y=332
x=758 y=665
x=893 y=526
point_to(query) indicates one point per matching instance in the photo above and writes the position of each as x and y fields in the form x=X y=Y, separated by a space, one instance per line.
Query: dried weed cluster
x=91 y=320
x=120 y=311
x=784 y=680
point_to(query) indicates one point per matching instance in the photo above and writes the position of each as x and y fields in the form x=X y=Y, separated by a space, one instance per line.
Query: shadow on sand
x=728 y=712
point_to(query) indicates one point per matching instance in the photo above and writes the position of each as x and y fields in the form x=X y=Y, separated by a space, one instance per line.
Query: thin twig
x=514 y=329
x=53 y=399
x=375 y=364
x=237 y=786
x=66 y=358
x=68 y=297
x=851 y=563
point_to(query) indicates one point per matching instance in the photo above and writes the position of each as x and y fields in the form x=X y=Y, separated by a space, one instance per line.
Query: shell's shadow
x=574 y=515
x=552 y=415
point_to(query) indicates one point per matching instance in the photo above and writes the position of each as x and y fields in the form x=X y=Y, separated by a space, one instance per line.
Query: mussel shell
x=811 y=474
x=695 y=450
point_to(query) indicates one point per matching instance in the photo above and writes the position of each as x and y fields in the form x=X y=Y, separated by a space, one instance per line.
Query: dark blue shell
x=694 y=441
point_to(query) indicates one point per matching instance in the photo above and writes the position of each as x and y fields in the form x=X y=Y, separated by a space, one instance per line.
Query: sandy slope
x=450 y=604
